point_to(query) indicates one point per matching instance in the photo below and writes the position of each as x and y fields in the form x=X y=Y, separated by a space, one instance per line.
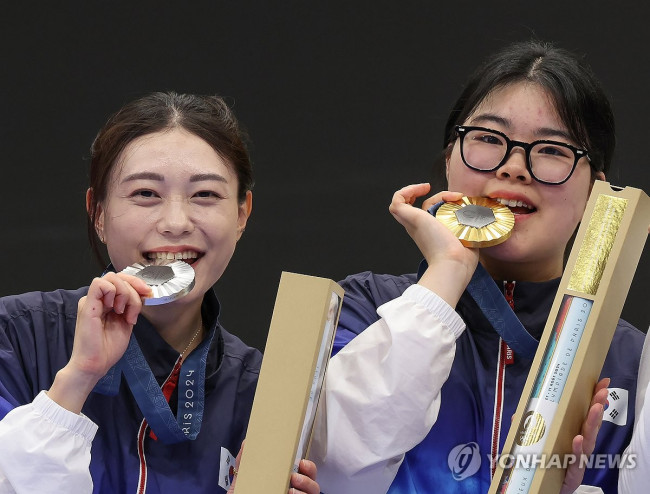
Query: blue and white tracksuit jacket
x=478 y=401
x=36 y=337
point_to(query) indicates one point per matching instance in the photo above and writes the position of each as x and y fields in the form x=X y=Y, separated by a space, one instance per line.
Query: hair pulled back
x=578 y=96
x=207 y=117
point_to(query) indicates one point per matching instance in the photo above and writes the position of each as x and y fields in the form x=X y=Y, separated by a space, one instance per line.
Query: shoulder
x=625 y=351
x=39 y=305
x=379 y=288
x=247 y=358
x=36 y=334
x=364 y=293
x=627 y=339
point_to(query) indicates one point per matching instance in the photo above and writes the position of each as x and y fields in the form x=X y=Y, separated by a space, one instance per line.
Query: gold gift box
x=297 y=350
x=600 y=269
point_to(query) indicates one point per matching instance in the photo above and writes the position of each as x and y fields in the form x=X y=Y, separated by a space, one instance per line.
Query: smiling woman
x=443 y=354
x=110 y=394
x=173 y=194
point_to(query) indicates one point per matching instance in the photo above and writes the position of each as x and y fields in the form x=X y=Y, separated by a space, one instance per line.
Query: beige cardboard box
x=297 y=350
x=588 y=304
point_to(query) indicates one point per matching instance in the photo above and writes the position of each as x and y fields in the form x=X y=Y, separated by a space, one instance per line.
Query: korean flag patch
x=616 y=406
x=226 y=469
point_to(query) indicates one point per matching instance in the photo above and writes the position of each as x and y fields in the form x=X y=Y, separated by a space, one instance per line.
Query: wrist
x=71 y=388
x=448 y=280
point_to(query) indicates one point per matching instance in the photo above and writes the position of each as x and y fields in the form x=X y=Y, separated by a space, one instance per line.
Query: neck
x=177 y=324
x=522 y=271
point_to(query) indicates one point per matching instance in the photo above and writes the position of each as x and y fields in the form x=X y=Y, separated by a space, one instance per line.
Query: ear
x=99 y=219
x=245 y=209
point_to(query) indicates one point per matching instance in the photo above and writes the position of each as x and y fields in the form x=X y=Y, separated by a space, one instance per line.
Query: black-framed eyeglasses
x=549 y=162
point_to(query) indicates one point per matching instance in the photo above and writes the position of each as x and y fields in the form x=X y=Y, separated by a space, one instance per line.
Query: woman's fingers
x=583 y=444
x=304 y=482
x=409 y=194
x=441 y=196
x=121 y=294
x=594 y=419
x=136 y=290
x=401 y=206
x=432 y=238
x=600 y=392
x=308 y=468
x=105 y=318
x=591 y=427
x=575 y=472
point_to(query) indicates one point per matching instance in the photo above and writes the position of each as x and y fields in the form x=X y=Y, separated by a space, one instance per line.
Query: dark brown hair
x=577 y=94
x=207 y=117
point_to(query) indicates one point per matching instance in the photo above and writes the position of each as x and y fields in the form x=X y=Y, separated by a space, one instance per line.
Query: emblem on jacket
x=616 y=406
x=226 y=468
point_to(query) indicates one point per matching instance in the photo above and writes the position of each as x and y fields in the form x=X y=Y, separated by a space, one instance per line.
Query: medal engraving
x=475 y=216
x=155 y=275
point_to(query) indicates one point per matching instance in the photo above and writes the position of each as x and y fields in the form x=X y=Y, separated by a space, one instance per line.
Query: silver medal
x=168 y=281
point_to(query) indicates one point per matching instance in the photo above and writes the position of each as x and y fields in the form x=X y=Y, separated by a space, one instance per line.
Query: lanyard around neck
x=149 y=397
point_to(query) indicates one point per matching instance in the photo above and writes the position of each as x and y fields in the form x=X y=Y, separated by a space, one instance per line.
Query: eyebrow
x=542 y=132
x=199 y=177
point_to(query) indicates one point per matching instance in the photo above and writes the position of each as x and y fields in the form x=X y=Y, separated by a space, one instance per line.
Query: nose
x=515 y=166
x=175 y=218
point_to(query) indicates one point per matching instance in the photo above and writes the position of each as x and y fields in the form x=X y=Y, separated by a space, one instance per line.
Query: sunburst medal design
x=477 y=221
x=168 y=280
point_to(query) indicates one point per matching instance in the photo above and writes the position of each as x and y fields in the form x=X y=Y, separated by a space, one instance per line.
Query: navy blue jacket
x=36 y=336
x=468 y=396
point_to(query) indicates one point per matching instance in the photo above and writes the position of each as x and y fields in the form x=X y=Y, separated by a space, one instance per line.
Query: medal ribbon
x=495 y=308
x=150 y=398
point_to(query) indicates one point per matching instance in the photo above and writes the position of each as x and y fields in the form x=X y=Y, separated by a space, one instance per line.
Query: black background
x=345 y=103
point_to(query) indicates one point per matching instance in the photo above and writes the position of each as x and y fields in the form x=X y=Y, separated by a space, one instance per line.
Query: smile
x=518 y=207
x=189 y=256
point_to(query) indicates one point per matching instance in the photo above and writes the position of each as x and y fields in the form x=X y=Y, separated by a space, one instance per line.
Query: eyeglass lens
x=485 y=150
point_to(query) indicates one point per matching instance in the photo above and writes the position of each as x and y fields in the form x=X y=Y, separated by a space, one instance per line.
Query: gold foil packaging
x=578 y=332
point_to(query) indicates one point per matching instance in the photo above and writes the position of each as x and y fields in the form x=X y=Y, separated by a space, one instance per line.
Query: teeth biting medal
x=168 y=280
x=477 y=221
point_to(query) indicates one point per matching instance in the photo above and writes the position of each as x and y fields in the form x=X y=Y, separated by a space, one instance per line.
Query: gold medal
x=477 y=221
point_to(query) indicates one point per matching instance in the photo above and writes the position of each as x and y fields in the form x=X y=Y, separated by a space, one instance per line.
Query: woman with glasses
x=438 y=367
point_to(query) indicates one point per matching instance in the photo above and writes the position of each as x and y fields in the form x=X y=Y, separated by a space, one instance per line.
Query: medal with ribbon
x=485 y=292
x=150 y=398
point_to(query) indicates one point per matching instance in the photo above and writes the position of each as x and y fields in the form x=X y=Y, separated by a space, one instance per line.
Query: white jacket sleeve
x=632 y=480
x=382 y=393
x=45 y=448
